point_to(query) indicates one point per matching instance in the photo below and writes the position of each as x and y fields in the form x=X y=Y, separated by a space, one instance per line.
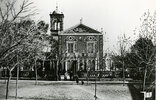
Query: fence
x=103 y=74
x=81 y=74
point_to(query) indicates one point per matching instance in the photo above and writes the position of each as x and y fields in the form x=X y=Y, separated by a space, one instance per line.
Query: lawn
x=47 y=90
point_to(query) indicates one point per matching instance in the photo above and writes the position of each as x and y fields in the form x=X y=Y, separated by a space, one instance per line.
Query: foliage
x=123 y=47
x=15 y=34
x=117 y=61
x=142 y=57
x=148 y=26
x=54 y=48
x=143 y=52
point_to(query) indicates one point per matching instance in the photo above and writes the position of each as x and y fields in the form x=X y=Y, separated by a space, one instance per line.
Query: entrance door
x=74 y=66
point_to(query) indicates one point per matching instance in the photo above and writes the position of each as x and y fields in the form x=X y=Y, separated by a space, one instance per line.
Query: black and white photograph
x=77 y=49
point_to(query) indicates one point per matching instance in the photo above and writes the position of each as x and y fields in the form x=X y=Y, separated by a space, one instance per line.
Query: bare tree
x=147 y=53
x=12 y=35
x=124 y=44
x=9 y=13
x=148 y=26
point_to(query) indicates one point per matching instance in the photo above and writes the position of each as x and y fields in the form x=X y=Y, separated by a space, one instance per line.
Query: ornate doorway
x=74 y=66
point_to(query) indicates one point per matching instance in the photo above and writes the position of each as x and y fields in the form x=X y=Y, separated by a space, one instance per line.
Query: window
x=70 y=47
x=55 y=24
x=58 y=26
x=90 y=47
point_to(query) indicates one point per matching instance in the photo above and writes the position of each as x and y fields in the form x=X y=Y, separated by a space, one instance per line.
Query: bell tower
x=56 y=25
x=56 y=22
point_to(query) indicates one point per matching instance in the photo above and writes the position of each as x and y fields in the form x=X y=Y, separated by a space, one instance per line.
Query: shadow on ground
x=134 y=92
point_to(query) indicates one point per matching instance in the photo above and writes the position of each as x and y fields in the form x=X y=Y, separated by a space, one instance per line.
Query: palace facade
x=80 y=48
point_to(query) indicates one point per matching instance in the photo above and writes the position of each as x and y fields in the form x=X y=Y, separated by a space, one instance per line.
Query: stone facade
x=80 y=47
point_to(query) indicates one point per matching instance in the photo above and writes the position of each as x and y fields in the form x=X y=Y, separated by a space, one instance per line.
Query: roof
x=56 y=11
x=80 y=29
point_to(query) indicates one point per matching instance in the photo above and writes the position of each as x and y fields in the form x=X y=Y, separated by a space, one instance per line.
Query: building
x=108 y=62
x=80 y=48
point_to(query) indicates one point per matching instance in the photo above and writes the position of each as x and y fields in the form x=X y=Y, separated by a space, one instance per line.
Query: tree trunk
x=17 y=75
x=17 y=81
x=115 y=71
x=57 y=65
x=35 y=72
x=144 y=82
x=43 y=69
x=8 y=82
x=95 y=96
x=87 y=76
x=4 y=72
x=123 y=73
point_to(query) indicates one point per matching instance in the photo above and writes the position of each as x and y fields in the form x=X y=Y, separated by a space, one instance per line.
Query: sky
x=116 y=17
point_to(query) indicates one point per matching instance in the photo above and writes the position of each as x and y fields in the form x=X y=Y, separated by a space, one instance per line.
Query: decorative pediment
x=81 y=28
x=90 y=38
x=70 y=38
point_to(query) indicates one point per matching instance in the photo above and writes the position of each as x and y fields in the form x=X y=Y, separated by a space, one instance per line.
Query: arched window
x=55 y=25
x=58 y=26
x=93 y=64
